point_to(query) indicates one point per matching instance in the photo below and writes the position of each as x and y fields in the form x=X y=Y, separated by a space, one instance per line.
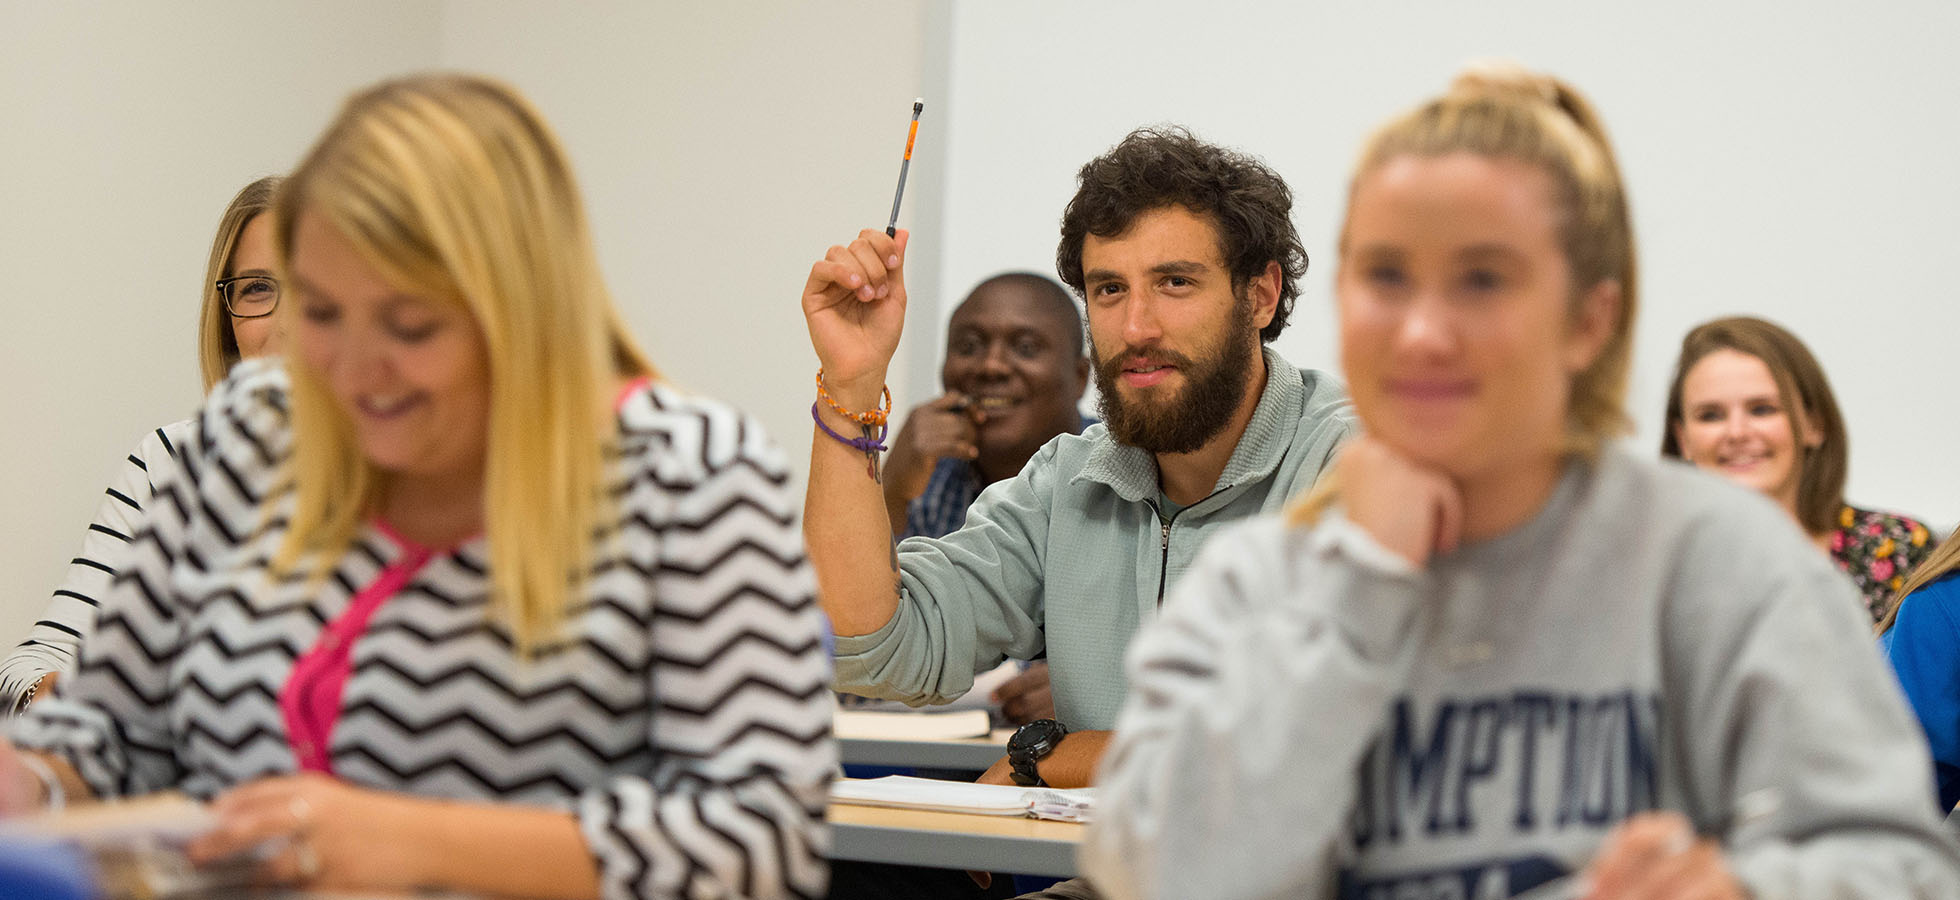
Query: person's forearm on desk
x=1072 y=764
x=24 y=787
x=509 y=850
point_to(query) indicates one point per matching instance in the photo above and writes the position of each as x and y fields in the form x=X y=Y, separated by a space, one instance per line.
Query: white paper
x=906 y=792
x=168 y=818
x=873 y=725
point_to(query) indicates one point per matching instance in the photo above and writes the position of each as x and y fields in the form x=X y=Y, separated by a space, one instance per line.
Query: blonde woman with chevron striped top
x=460 y=596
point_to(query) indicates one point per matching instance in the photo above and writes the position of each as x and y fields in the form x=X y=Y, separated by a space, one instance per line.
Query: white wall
x=125 y=127
x=722 y=149
x=1783 y=161
x=1786 y=160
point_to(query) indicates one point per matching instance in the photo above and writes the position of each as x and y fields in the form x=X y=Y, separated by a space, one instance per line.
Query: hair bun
x=1502 y=78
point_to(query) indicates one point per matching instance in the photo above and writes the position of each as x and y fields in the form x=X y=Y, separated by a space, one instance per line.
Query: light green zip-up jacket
x=1072 y=558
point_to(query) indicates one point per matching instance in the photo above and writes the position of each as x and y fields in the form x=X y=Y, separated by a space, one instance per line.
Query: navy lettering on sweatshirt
x=1531 y=761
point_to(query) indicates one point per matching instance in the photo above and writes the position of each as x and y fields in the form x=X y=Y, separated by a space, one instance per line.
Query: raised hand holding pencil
x=854 y=305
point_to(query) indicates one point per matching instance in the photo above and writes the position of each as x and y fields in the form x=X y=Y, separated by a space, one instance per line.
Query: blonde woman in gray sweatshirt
x=1496 y=653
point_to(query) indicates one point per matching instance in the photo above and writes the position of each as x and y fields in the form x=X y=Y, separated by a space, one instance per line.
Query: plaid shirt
x=941 y=509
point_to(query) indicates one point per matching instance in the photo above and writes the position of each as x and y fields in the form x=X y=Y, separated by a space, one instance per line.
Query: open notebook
x=905 y=792
x=134 y=848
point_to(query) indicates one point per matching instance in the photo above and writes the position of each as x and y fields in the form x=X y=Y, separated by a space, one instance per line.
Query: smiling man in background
x=1015 y=369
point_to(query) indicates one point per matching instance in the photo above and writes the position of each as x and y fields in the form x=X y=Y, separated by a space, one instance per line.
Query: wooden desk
x=973 y=754
x=354 y=895
x=954 y=840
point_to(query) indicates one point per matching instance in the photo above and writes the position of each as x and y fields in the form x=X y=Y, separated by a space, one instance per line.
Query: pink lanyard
x=627 y=391
x=310 y=701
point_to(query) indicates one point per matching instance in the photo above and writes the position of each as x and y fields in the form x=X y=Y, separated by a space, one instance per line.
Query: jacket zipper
x=1164 y=545
x=1164 y=561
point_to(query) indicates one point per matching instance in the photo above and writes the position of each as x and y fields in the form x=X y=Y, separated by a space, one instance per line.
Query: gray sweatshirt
x=1312 y=717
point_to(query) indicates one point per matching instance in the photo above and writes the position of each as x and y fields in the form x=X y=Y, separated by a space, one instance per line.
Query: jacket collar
x=1132 y=471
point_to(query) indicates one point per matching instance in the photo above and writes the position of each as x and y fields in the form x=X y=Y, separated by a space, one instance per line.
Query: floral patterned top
x=1877 y=549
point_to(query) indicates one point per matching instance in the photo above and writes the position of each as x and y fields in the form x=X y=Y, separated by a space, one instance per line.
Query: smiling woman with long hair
x=1748 y=401
x=1497 y=650
x=461 y=596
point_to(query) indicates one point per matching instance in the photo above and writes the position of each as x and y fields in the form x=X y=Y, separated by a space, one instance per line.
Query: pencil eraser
x=918 y=103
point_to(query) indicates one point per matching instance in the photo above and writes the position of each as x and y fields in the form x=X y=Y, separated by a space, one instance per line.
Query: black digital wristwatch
x=1030 y=745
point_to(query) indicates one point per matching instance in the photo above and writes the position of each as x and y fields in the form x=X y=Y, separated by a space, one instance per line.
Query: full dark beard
x=1187 y=420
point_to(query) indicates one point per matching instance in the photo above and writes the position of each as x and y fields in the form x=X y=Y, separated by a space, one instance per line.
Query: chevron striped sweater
x=683 y=717
x=50 y=645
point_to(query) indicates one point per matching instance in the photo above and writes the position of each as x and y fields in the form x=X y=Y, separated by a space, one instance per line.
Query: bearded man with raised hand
x=1187 y=261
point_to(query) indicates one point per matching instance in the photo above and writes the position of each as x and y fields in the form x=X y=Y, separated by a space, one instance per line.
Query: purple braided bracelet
x=860 y=444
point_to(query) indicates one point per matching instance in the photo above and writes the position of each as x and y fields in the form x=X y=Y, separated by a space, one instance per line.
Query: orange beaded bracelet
x=874 y=418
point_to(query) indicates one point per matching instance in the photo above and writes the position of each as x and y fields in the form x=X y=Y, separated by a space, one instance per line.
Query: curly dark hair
x=1157 y=166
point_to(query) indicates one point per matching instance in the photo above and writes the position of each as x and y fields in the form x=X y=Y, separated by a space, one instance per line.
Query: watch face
x=1036 y=738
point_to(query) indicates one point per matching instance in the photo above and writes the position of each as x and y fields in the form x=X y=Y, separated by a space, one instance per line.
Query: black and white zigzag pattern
x=50 y=645
x=684 y=718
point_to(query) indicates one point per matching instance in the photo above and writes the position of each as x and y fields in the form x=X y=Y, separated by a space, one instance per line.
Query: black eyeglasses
x=250 y=296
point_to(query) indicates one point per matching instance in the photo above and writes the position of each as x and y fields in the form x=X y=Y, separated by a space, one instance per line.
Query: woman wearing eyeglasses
x=234 y=323
x=240 y=291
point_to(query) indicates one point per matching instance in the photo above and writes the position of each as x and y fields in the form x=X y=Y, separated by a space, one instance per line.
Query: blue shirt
x=940 y=509
x=1924 y=649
